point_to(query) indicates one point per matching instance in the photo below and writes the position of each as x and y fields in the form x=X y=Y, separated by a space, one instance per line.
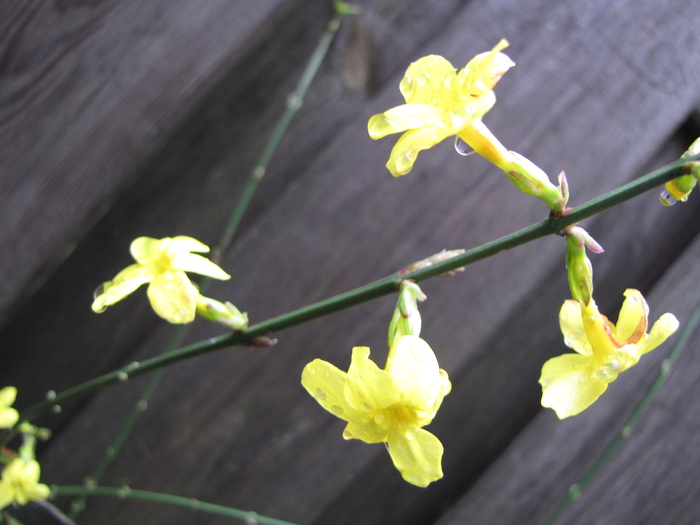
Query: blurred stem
x=374 y=290
x=189 y=503
x=294 y=102
x=576 y=489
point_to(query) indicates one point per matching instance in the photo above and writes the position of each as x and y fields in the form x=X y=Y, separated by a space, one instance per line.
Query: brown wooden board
x=650 y=478
x=236 y=427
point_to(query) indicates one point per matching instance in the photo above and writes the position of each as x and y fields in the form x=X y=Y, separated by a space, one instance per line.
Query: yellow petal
x=126 y=281
x=632 y=321
x=571 y=326
x=402 y=118
x=326 y=384
x=8 y=415
x=666 y=325
x=486 y=69
x=417 y=454
x=367 y=430
x=568 y=385
x=599 y=331
x=189 y=262
x=368 y=387
x=182 y=243
x=426 y=79
x=6 y=495
x=414 y=367
x=8 y=396
x=142 y=247
x=406 y=149
x=173 y=297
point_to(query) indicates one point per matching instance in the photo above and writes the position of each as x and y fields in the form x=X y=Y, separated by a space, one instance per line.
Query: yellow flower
x=162 y=263
x=441 y=102
x=572 y=382
x=8 y=415
x=388 y=406
x=20 y=483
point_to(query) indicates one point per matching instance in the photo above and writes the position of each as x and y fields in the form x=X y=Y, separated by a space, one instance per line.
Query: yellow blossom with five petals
x=440 y=102
x=20 y=483
x=162 y=263
x=388 y=406
x=572 y=382
x=8 y=415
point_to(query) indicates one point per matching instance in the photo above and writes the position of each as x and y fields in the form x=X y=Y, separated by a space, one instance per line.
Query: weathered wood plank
x=650 y=479
x=236 y=427
x=87 y=91
x=194 y=179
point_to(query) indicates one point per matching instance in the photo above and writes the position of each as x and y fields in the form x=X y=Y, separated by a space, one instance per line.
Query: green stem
x=293 y=105
x=294 y=102
x=379 y=288
x=189 y=503
x=576 y=489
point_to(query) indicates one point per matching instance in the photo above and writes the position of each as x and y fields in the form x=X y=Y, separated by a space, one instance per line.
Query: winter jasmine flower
x=162 y=264
x=388 y=406
x=572 y=382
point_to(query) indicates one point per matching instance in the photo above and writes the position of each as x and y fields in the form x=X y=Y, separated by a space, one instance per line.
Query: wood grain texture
x=649 y=479
x=235 y=427
x=87 y=91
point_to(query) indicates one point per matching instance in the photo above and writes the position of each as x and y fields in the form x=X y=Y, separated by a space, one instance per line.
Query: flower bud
x=223 y=313
x=679 y=189
x=530 y=179
x=406 y=319
x=580 y=271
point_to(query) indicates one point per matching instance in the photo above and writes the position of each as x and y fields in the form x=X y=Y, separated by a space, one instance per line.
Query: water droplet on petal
x=337 y=410
x=99 y=291
x=320 y=394
x=463 y=148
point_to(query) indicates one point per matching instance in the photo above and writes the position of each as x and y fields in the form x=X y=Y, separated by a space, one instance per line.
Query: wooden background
x=120 y=119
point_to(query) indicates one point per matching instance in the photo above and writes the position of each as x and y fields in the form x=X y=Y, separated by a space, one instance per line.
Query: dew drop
x=122 y=376
x=463 y=148
x=320 y=394
x=666 y=199
x=379 y=418
x=337 y=410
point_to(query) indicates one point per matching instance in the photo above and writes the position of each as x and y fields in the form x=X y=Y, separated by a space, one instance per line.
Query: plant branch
x=293 y=104
x=376 y=289
x=180 y=501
